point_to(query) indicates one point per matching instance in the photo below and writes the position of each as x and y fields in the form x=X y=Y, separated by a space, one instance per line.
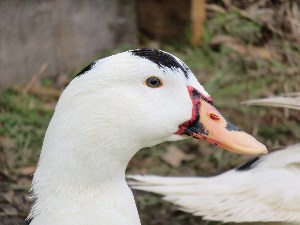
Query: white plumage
x=266 y=189
x=107 y=114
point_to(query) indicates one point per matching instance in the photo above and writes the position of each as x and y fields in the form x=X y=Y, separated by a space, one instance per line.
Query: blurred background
x=239 y=50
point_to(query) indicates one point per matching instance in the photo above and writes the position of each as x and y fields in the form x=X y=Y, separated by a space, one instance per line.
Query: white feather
x=268 y=192
x=101 y=120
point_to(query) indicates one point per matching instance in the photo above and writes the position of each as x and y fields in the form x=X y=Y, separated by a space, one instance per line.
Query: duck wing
x=265 y=189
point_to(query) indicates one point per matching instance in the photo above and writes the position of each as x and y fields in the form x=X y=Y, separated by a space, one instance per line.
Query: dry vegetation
x=251 y=49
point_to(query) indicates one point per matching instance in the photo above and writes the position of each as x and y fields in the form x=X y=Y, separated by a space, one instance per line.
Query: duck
x=264 y=189
x=110 y=110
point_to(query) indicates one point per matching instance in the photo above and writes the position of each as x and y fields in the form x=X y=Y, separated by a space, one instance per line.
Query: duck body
x=265 y=189
x=110 y=110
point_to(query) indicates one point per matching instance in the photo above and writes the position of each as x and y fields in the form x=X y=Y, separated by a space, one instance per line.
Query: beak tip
x=261 y=150
x=249 y=146
x=265 y=150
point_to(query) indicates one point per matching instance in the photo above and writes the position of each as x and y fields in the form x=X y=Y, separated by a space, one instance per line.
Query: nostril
x=214 y=117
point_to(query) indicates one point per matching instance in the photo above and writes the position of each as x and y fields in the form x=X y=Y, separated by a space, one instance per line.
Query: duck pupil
x=154 y=82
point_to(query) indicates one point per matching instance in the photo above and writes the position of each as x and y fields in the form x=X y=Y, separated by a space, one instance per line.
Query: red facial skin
x=196 y=98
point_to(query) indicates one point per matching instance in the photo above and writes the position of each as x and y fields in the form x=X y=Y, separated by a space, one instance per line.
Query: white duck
x=265 y=189
x=113 y=108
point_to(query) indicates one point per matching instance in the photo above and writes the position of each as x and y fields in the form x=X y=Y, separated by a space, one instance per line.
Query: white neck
x=101 y=120
x=80 y=178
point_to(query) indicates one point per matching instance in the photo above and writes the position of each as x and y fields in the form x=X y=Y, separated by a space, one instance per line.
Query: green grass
x=23 y=121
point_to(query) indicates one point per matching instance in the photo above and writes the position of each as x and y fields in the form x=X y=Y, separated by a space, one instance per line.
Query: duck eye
x=153 y=82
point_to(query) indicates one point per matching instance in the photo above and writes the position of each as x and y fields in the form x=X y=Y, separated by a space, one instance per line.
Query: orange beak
x=208 y=124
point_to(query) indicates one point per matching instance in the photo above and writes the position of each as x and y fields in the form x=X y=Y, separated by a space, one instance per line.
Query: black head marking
x=248 y=165
x=86 y=69
x=196 y=94
x=162 y=59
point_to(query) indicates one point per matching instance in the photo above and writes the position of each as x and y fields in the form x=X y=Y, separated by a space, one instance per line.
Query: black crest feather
x=161 y=59
x=86 y=69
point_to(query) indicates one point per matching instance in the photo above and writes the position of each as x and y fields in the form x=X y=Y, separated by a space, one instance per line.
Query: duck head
x=150 y=96
x=109 y=111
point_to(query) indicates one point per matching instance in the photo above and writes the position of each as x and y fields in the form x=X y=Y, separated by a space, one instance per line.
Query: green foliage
x=23 y=121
